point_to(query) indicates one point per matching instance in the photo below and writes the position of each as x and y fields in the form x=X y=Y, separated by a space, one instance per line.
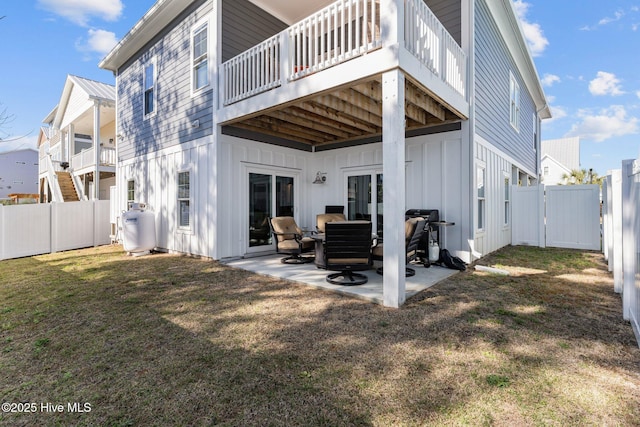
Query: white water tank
x=138 y=230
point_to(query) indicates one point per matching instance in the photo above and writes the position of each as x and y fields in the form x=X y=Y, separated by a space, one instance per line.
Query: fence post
x=542 y=230
x=628 y=239
x=2 y=238
x=616 y=235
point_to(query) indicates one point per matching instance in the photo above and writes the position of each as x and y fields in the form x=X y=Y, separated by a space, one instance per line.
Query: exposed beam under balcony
x=346 y=114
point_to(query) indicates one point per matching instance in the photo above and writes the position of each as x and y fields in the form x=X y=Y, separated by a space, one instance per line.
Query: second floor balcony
x=319 y=80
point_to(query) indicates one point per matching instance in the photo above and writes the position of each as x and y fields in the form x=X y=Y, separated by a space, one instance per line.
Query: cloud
x=616 y=17
x=532 y=32
x=98 y=41
x=81 y=11
x=606 y=124
x=638 y=94
x=549 y=79
x=605 y=84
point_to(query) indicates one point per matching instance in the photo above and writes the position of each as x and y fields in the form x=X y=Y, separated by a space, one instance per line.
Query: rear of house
x=228 y=110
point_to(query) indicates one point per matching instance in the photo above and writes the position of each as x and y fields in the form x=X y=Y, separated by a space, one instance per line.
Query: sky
x=587 y=54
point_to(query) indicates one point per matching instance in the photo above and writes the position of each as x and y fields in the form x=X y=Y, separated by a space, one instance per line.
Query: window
x=184 y=200
x=507 y=199
x=514 y=102
x=131 y=190
x=200 y=57
x=481 y=196
x=546 y=170
x=149 y=89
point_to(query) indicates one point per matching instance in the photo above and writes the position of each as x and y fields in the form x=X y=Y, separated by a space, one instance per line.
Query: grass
x=170 y=340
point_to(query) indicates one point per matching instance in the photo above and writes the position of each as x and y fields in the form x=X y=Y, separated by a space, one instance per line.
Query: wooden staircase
x=69 y=193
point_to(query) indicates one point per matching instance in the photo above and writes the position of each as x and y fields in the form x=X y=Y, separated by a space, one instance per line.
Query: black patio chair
x=347 y=249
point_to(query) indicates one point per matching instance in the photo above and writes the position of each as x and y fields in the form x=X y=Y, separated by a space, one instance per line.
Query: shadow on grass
x=171 y=340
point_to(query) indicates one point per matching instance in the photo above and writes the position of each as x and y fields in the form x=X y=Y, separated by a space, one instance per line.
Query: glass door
x=270 y=195
x=364 y=199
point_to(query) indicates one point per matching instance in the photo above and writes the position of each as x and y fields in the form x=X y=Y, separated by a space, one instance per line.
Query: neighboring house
x=78 y=144
x=559 y=158
x=229 y=109
x=18 y=173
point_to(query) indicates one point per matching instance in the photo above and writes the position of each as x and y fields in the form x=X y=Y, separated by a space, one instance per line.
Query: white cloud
x=549 y=79
x=532 y=32
x=98 y=41
x=80 y=11
x=608 y=19
x=605 y=84
x=638 y=94
x=605 y=124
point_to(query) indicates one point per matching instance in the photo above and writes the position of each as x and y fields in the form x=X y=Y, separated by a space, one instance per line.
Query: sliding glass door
x=364 y=198
x=270 y=194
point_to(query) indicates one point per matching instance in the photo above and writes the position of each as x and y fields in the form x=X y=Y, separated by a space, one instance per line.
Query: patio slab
x=309 y=274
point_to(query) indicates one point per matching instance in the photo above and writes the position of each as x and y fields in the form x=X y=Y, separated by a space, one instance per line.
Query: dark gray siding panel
x=245 y=25
x=492 y=66
x=176 y=108
x=450 y=14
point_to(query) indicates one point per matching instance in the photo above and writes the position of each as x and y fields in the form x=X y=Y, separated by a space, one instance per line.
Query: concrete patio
x=309 y=274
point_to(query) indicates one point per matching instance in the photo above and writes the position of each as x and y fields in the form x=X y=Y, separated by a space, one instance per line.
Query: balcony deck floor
x=309 y=274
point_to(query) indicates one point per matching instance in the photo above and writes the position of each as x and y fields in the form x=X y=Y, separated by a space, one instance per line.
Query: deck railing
x=85 y=158
x=429 y=41
x=339 y=32
x=253 y=71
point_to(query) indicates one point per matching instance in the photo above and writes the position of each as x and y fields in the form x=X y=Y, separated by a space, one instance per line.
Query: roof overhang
x=156 y=18
x=509 y=25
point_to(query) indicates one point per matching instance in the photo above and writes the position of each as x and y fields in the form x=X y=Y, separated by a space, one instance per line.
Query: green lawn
x=171 y=340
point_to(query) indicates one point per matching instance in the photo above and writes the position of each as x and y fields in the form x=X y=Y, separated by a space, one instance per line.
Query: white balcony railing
x=253 y=71
x=86 y=158
x=341 y=31
x=429 y=41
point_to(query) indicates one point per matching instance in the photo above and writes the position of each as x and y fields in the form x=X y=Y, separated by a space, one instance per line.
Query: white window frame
x=514 y=102
x=133 y=181
x=205 y=25
x=153 y=89
x=184 y=228
x=507 y=199
x=481 y=205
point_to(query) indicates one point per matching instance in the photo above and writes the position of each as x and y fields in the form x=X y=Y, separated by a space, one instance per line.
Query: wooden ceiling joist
x=346 y=114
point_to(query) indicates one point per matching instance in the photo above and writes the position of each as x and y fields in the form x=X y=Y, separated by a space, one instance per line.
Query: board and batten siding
x=245 y=25
x=155 y=179
x=79 y=102
x=493 y=63
x=237 y=157
x=176 y=109
x=496 y=233
x=449 y=13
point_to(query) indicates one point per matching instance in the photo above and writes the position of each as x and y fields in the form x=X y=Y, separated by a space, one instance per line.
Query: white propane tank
x=138 y=230
x=434 y=251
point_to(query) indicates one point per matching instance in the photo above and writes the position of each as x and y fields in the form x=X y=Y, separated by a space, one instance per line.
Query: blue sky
x=587 y=54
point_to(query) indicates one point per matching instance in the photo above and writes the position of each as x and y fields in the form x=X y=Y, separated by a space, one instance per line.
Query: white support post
x=616 y=197
x=96 y=149
x=286 y=57
x=393 y=167
x=628 y=239
x=392 y=21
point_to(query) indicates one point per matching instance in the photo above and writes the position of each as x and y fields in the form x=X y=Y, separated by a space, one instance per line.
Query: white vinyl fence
x=561 y=216
x=27 y=230
x=621 y=236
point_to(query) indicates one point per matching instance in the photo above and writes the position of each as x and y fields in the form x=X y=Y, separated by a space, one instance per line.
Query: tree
x=582 y=176
x=5 y=119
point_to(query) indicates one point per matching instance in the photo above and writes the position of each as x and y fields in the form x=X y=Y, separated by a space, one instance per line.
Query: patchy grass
x=171 y=340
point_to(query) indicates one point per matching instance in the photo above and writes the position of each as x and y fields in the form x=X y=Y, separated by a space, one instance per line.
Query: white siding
x=155 y=177
x=495 y=233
